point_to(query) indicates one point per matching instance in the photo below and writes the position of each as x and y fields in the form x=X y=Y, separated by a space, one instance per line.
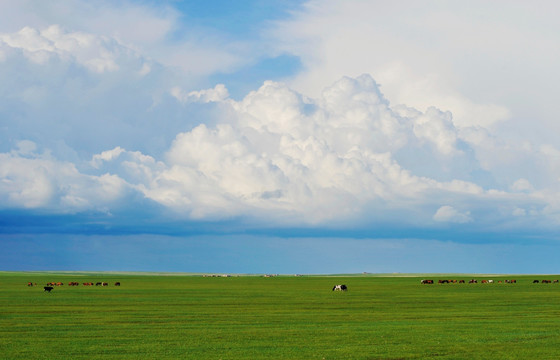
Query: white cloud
x=218 y=93
x=485 y=69
x=96 y=53
x=156 y=30
x=39 y=181
x=279 y=155
x=94 y=111
x=448 y=213
x=522 y=185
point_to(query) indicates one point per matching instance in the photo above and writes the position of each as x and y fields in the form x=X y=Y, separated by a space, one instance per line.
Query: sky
x=314 y=136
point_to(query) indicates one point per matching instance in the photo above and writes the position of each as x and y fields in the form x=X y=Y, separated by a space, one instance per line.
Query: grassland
x=192 y=317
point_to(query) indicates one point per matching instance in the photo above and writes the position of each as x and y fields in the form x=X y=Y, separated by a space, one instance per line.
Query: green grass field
x=193 y=317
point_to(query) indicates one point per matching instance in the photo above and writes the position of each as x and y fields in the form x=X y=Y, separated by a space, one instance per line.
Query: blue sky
x=279 y=137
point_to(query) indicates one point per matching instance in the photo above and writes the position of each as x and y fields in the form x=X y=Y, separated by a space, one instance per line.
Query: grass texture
x=194 y=317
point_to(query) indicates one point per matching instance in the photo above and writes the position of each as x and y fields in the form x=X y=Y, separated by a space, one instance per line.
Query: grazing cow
x=546 y=282
x=340 y=288
x=117 y=284
x=443 y=281
x=461 y=281
x=535 y=281
x=98 y=284
x=29 y=284
x=556 y=281
x=104 y=284
x=472 y=281
x=48 y=288
x=426 y=281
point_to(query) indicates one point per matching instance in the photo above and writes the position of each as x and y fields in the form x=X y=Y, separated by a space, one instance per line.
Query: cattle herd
x=485 y=281
x=51 y=285
x=341 y=287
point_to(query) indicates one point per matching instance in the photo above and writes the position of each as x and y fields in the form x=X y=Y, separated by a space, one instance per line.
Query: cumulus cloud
x=34 y=180
x=76 y=92
x=92 y=118
x=218 y=93
x=281 y=155
x=96 y=53
x=448 y=213
x=277 y=154
x=155 y=30
x=434 y=54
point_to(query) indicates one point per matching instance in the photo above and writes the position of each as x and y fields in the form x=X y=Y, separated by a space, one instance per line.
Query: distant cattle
x=461 y=281
x=535 y=281
x=546 y=282
x=472 y=281
x=98 y=284
x=426 y=281
x=443 y=281
x=340 y=288
x=513 y=281
x=48 y=288
x=117 y=284
x=73 y=283
x=556 y=281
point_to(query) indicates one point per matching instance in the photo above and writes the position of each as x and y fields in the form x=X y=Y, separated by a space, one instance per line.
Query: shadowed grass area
x=191 y=317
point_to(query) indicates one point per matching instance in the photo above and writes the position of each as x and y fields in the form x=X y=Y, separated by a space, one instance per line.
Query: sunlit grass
x=188 y=317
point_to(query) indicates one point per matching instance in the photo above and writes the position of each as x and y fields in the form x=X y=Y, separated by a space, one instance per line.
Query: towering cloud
x=276 y=154
x=93 y=123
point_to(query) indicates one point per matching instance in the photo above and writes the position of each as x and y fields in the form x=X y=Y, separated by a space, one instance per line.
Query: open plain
x=284 y=317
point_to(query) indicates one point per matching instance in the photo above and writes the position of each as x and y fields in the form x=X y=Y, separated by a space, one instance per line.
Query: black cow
x=340 y=288
x=48 y=288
